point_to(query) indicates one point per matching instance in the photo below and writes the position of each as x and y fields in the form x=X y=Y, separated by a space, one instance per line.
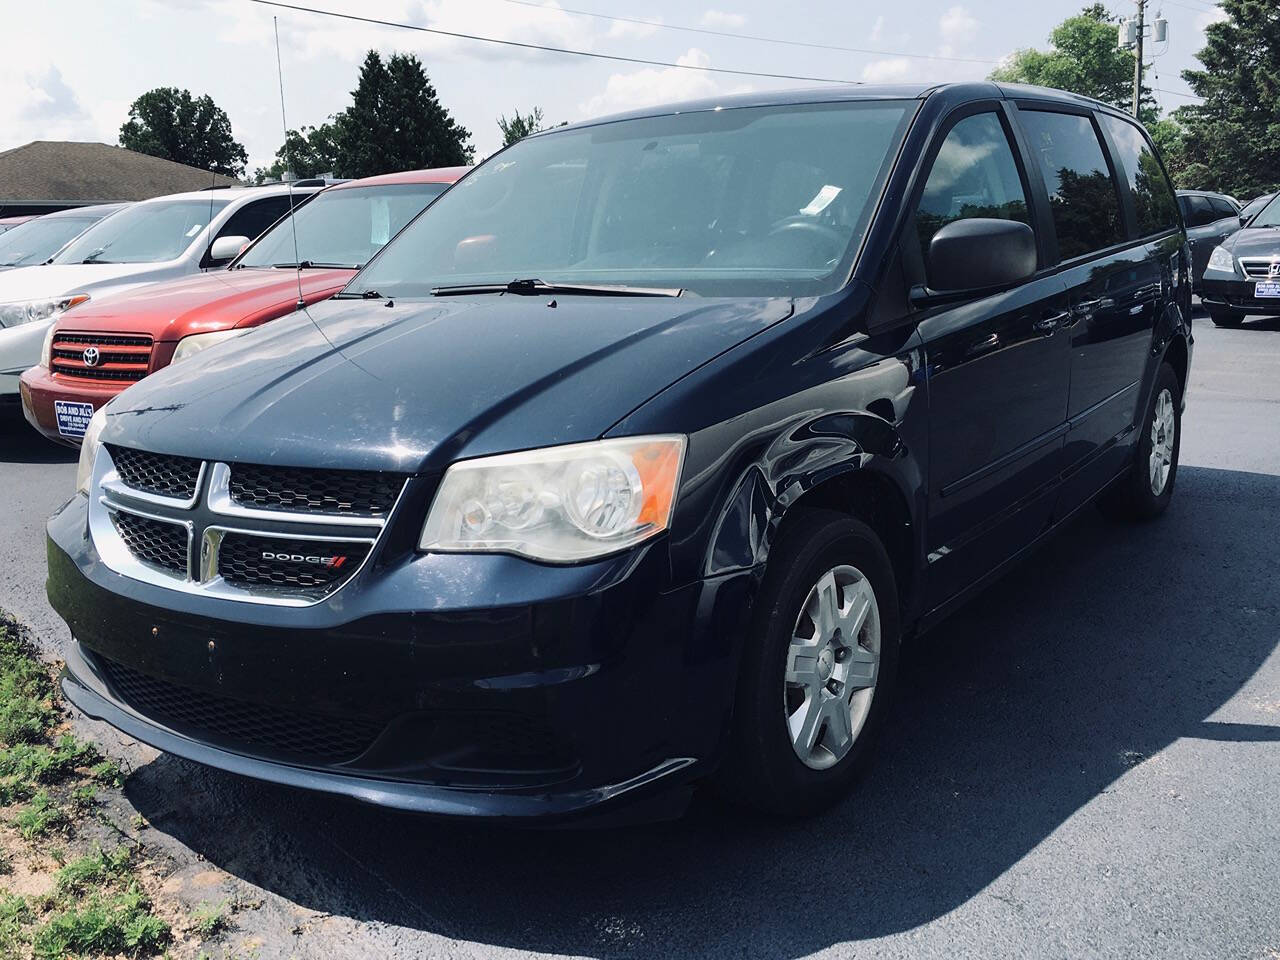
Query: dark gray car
x=1210 y=219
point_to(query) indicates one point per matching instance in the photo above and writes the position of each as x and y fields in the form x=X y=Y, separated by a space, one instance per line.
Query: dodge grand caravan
x=631 y=462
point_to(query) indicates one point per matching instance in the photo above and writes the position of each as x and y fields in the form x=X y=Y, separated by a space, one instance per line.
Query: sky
x=71 y=68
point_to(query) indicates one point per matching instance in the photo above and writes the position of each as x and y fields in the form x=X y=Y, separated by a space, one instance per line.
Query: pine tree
x=1229 y=142
x=396 y=122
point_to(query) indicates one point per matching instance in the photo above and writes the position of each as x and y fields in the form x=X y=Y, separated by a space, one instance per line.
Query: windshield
x=343 y=227
x=37 y=240
x=146 y=233
x=756 y=201
x=1270 y=215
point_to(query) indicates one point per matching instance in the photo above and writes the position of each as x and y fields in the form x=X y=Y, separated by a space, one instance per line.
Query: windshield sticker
x=821 y=201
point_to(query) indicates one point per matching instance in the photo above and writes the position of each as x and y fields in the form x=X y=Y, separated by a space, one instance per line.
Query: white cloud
x=1216 y=15
x=958 y=25
x=886 y=71
x=722 y=20
x=627 y=30
x=877 y=30
x=642 y=88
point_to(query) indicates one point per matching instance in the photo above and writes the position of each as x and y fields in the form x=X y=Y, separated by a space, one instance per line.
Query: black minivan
x=631 y=462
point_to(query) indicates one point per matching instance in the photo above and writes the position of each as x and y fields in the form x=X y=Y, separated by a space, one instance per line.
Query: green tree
x=308 y=152
x=1229 y=141
x=1083 y=59
x=520 y=125
x=169 y=123
x=396 y=122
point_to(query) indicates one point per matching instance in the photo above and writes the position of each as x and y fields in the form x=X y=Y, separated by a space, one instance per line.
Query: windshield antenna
x=288 y=159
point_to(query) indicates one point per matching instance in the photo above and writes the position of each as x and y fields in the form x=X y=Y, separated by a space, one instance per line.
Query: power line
x=1176 y=93
x=548 y=49
x=740 y=36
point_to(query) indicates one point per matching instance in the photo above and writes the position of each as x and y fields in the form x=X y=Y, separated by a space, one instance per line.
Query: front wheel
x=1222 y=318
x=818 y=670
x=1145 y=491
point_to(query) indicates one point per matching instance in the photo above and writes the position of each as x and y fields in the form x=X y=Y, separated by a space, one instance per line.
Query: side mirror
x=227 y=248
x=980 y=254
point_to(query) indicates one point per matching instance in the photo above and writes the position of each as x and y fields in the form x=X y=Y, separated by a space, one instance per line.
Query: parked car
x=40 y=238
x=8 y=223
x=153 y=240
x=631 y=461
x=1254 y=207
x=1210 y=218
x=98 y=350
x=1243 y=273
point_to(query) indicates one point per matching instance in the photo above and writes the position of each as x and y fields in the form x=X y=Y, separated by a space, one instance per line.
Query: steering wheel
x=810 y=227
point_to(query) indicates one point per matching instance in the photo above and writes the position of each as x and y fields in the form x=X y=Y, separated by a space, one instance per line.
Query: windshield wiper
x=536 y=287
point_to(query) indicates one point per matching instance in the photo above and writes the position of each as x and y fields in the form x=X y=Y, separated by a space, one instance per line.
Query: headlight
x=46 y=348
x=1221 y=259
x=559 y=504
x=29 y=311
x=190 y=346
x=89 y=450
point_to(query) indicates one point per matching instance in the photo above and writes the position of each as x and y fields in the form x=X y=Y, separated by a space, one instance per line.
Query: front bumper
x=1223 y=292
x=40 y=389
x=574 y=690
x=19 y=350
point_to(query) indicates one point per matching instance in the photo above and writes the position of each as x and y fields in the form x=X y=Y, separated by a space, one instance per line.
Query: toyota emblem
x=91 y=357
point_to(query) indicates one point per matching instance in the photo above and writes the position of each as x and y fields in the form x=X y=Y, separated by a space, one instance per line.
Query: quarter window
x=1153 y=198
x=974 y=175
x=1082 y=195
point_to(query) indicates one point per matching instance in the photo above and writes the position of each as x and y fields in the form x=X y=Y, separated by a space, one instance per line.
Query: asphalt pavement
x=1082 y=763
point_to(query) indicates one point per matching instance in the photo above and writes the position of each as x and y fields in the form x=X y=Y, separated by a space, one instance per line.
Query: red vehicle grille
x=118 y=357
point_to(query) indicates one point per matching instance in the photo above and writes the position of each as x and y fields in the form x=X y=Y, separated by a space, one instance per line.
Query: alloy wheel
x=833 y=661
x=1163 y=427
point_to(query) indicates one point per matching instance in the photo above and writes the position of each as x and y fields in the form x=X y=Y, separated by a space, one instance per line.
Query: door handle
x=1087 y=308
x=1050 y=322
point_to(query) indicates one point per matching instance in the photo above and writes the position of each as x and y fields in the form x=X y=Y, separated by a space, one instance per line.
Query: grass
x=49 y=779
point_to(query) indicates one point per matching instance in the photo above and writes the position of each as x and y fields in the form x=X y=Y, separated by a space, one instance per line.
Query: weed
x=210 y=919
x=40 y=817
x=122 y=923
x=94 y=870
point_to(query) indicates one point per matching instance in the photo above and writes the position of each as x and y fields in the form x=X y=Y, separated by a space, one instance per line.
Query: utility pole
x=1137 y=60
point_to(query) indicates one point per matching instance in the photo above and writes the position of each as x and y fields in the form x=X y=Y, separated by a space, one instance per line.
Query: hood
x=42 y=281
x=1254 y=242
x=412 y=387
x=203 y=302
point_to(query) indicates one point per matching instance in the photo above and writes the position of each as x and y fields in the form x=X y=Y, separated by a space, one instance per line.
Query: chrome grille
x=155 y=542
x=157 y=473
x=338 y=492
x=1257 y=268
x=171 y=521
x=118 y=356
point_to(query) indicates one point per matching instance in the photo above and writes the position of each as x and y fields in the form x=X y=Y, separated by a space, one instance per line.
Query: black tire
x=1222 y=318
x=1132 y=496
x=763 y=769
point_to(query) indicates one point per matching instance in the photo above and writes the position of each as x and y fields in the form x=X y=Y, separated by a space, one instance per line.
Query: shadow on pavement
x=1101 y=651
x=19 y=443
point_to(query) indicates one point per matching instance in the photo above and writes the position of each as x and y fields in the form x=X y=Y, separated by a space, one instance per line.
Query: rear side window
x=1153 y=199
x=251 y=219
x=1222 y=209
x=974 y=175
x=1198 y=212
x=1082 y=195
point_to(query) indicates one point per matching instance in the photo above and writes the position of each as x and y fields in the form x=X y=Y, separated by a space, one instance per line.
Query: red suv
x=104 y=347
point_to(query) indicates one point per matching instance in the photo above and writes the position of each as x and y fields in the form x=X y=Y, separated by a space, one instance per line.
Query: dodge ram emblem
x=91 y=357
